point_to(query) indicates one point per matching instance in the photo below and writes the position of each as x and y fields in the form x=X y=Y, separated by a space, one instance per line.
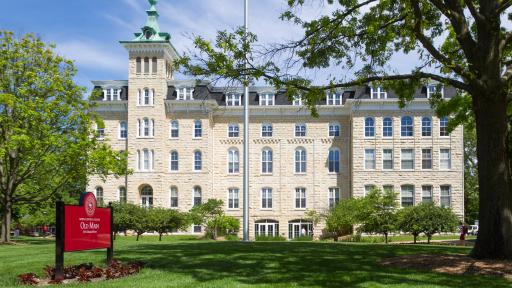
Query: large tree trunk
x=6 y=222
x=494 y=239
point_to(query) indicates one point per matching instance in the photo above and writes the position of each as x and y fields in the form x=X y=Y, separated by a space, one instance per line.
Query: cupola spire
x=151 y=30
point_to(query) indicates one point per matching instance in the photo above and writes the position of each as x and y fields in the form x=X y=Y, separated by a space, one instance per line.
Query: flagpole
x=246 y=135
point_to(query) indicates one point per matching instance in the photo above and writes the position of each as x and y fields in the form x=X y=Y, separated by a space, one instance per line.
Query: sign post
x=82 y=227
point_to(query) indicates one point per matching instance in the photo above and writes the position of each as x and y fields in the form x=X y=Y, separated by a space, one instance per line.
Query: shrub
x=303 y=238
x=270 y=238
x=232 y=237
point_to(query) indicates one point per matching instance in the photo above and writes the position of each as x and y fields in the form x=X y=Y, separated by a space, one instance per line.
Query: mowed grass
x=181 y=262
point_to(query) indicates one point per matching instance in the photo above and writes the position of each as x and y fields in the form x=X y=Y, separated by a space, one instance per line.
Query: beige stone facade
x=151 y=94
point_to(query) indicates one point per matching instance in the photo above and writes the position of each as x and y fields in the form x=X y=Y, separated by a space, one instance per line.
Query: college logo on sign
x=89 y=203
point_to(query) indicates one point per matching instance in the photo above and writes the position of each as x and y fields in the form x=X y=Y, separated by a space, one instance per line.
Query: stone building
x=184 y=139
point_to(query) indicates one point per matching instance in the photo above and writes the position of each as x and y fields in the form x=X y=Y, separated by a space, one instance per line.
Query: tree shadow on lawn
x=303 y=264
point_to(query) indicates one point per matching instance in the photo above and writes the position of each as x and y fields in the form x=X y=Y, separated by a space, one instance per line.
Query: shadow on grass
x=302 y=264
x=33 y=240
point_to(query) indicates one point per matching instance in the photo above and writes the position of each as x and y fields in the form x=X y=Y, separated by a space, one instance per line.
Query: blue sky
x=88 y=31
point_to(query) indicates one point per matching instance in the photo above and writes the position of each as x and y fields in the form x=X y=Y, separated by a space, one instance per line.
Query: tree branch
x=504 y=6
x=474 y=12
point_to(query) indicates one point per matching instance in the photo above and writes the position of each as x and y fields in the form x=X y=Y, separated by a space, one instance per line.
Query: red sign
x=86 y=226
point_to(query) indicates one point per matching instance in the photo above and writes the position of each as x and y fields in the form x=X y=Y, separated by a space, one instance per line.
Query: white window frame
x=334 y=196
x=430 y=190
x=300 y=198
x=267 y=130
x=198 y=162
x=369 y=164
x=334 y=99
x=233 y=161
x=197 y=190
x=427 y=159
x=267 y=99
x=297 y=100
x=198 y=130
x=233 y=99
x=123 y=130
x=402 y=159
x=384 y=126
x=449 y=195
x=404 y=129
x=384 y=158
x=378 y=92
x=174 y=128
x=233 y=130
x=172 y=197
x=267 y=161
x=119 y=194
x=443 y=128
x=445 y=163
x=333 y=134
x=402 y=195
x=233 y=198
x=300 y=129
x=334 y=161
x=424 y=127
x=266 y=198
x=185 y=93
x=300 y=160
x=369 y=128
x=435 y=87
x=174 y=161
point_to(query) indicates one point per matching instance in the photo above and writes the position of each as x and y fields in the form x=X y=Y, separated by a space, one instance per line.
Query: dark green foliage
x=427 y=218
x=212 y=215
x=162 y=220
x=270 y=238
x=379 y=212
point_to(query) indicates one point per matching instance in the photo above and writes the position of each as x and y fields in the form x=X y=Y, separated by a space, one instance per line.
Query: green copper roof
x=151 y=31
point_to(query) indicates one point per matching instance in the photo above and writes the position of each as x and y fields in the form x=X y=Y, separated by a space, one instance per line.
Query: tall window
x=185 y=93
x=198 y=129
x=446 y=196
x=407 y=195
x=443 y=130
x=426 y=194
x=233 y=161
x=174 y=197
x=100 y=131
x=174 y=161
x=334 y=196
x=138 y=65
x=198 y=196
x=148 y=97
x=233 y=131
x=426 y=127
x=297 y=100
x=145 y=160
x=334 y=130
x=122 y=194
x=266 y=160
x=146 y=65
x=267 y=99
x=146 y=196
x=233 y=99
x=369 y=127
x=378 y=92
x=233 y=202
x=154 y=66
x=407 y=128
x=266 y=198
x=387 y=127
x=369 y=158
x=99 y=195
x=334 y=99
x=334 y=161
x=175 y=129
x=300 y=130
x=445 y=159
x=146 y=127
x=116 y=94
x=407 y=159
x=123 y=130
x=387 y=159
x=300 y=198
x=433 y=89
x=198 y=162
x=109 y=95
x=426 y=158
x=266 y=130
x=300 y=160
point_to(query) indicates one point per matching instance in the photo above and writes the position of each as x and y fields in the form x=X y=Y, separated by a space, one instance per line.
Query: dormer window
x=116 y=94
x=297 y=100
x=334 y=99
x=378 y=92
x=233 y=99
x=433 y=89
x=112 y=94
x=185 y=93
x=109 y=95
x=267 y=99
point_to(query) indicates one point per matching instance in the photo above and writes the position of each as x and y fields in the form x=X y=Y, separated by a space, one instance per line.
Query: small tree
x=162 y=220
x=123 y=217
x=429 y=219
x=379 y=212
x=224 y=224
x=140 y=221
x=205 y=213
x=341 y=219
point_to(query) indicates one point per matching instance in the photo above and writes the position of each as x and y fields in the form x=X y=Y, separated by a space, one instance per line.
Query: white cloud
x=89 y=54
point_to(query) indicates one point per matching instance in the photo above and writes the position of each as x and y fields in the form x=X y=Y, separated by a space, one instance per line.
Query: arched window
x=426 y=127
x=173 y=161
x=369 y=127
x=174 y=197
x=99 y=195
x=233 y=161
x=334 y=130
x=146 y=160
x=146 y=195
x=198 y=162
x=146 y=127
x=122 y=194
x=334 y=160
x=147 y=97
x=300 y=198
x=266 y=198
x=407 y=128
x=443 y=124
x=198 y=196
x=198 y=129
x=266 y=160
x=138 y=65
x=175 y=129
x=139 y=97
x=300 y=160
x=266 y=227
x=123 y=130
x=154 y=65
x=387 y=127
x=146 y=65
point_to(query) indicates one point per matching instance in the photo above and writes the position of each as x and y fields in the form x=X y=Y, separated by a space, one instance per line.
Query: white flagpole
x=246 y=136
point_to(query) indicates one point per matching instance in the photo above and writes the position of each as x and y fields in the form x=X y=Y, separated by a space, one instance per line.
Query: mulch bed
x=458 y=264
x=86 y=272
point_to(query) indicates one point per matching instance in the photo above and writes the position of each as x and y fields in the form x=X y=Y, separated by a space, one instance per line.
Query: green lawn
x=178 y=262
